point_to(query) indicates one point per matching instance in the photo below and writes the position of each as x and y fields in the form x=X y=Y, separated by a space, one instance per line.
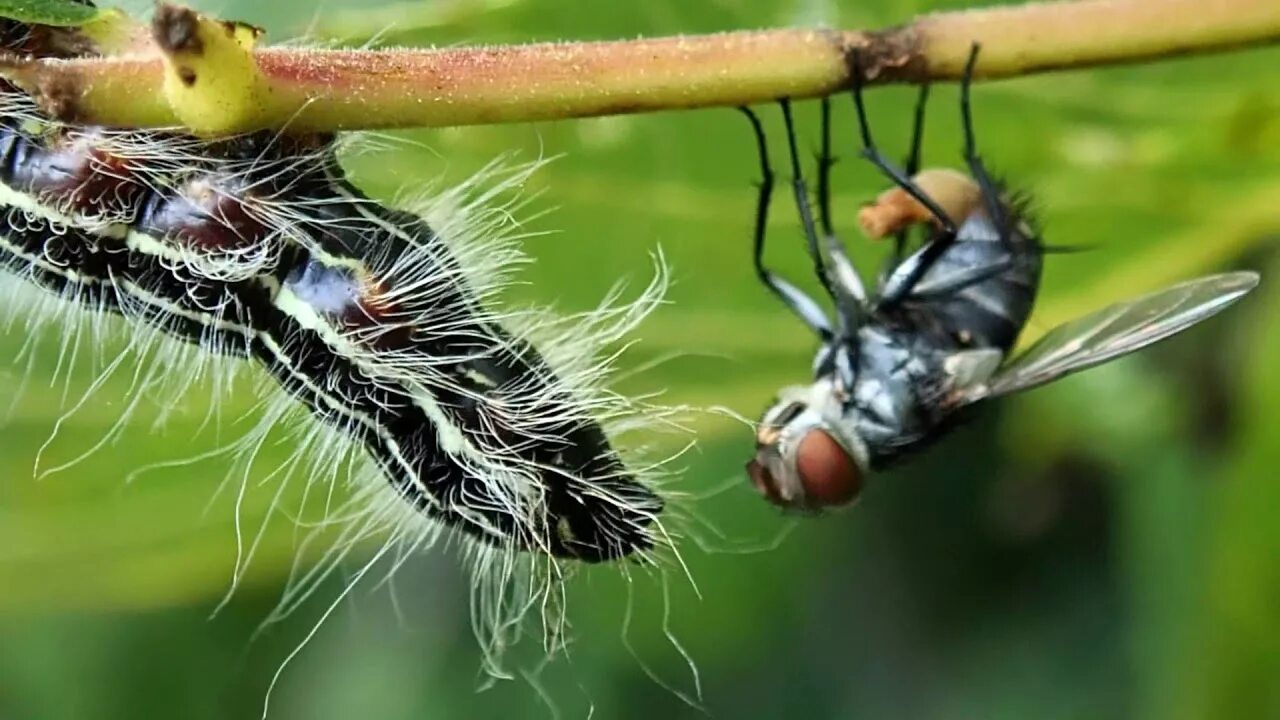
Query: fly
x=895 y=366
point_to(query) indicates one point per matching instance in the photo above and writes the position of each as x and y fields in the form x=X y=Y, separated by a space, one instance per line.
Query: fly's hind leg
x=911 y=166
x=990 y=193
x=906 y=274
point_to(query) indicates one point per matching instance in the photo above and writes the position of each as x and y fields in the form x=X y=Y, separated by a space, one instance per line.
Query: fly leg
x=849 y=293
x=801 y=193
x=960 y=280
x=906 y=274
x=990 y=194
x=991 y=200
x=793 y=297
x=912 y=167
x=825 y=162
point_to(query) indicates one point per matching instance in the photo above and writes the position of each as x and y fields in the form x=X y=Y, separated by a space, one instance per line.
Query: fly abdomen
x=980 y=291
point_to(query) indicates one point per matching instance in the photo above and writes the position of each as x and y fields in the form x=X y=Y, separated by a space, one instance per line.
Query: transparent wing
x=1114 y=331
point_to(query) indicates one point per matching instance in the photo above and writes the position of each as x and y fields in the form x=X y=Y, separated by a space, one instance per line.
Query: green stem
x=323 y=90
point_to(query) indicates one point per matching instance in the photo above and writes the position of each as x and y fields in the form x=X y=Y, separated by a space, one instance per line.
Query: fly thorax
x=886 y=395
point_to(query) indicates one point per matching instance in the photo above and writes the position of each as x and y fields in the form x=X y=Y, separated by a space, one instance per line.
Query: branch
x=209 y=77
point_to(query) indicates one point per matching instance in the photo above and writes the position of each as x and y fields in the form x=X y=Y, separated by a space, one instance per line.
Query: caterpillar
x=466 y=420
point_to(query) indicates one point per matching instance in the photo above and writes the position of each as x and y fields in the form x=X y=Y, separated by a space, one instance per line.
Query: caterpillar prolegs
x=259 y=248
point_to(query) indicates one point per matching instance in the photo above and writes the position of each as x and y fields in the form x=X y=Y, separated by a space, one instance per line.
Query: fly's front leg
x=793 y=297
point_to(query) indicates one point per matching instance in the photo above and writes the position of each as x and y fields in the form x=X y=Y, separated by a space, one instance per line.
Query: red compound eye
x=827 y=473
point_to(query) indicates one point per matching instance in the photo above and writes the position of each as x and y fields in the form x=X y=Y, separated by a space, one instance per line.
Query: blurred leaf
x=1231 y=672
x=61 y=13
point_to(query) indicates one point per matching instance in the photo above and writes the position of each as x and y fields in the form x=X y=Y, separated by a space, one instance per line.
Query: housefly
x=895 y=366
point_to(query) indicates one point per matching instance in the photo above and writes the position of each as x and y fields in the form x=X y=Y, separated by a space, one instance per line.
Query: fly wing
x=1114 y=331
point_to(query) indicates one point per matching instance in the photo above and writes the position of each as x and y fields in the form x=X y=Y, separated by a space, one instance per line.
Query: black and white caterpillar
x=488 y=422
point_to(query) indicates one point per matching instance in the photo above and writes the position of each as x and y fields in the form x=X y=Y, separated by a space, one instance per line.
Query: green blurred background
x=1102 y=548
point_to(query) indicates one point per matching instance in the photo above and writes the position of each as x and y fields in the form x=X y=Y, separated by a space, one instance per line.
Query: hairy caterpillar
x=258 y=250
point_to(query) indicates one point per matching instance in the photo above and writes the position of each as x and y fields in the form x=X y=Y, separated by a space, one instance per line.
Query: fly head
x=808 y=454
